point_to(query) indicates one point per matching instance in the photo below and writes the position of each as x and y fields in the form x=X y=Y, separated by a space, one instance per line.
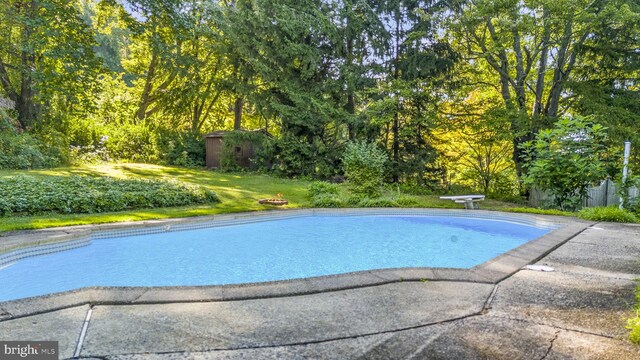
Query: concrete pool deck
x=577 y=311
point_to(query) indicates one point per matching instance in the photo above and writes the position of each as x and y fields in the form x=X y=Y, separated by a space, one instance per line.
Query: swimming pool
x=279 y=249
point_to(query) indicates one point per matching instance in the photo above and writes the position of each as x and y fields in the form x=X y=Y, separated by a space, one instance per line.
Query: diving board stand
x=470 y=201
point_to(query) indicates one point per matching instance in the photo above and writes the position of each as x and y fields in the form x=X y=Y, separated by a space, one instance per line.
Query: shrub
x=355 y=199
x=132 y=142
x=631 y=204
x=318 y=188
x=377 y=202
x=329 y=160
x=406 y=201
x=324 y=194
x=416 y=189
x=237 y=138
x=633 y=323
x=291 y=156
x=80 y=194
x=565 y=160
x=539 y=211
x=180 y=148
x=364 y=167
x=610 y=214
x=327 y=201
x=23 y=151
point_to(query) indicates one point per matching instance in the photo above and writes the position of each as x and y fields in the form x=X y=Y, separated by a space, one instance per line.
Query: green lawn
x=237 y=191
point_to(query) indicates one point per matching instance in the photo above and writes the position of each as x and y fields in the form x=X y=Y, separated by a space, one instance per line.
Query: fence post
x=627 y=153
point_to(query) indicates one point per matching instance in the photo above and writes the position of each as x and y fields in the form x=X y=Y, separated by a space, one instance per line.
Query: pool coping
x=489 y=272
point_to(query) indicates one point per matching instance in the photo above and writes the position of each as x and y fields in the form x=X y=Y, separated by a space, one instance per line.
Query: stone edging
x=491 y=272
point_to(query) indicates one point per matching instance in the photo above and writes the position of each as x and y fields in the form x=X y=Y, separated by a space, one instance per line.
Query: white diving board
x=469 y=201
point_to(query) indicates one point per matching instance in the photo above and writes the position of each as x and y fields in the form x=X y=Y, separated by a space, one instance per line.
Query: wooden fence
x=606 y=194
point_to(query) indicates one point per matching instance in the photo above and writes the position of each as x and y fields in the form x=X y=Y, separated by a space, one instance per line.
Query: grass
x=238 y=192
x=609 y=214
x=529 y=210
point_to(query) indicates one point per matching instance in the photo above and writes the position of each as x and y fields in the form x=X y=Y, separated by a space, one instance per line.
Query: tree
x=566 y=160
x=534 y=50
x=479 y=150
x=359 y=40
x=413 y=62
x=47 y=62
x=287 y=48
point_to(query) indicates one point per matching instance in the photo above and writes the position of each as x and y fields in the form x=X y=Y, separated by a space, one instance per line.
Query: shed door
x=214 y=148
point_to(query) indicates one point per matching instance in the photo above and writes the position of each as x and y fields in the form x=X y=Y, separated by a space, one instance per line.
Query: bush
x=566 y=160
x=23 y=151
x=380 y=202
x=633 y=323
x=508 y=197
x=416 y=189
x=322 y=188
x=324 y=194
x=180 y=148
x=237 y=138
x=528 y=210
x=406 y=201
x=30 y=195
x=355 y=199
x=631 y=204
x=327 y=201
x=132 y=142
x=364 y=167
x=90 y=154
x=610 y=214
x=291 y=157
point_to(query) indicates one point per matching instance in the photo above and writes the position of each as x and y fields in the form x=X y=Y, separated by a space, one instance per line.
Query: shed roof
x=215 y=134
x=222 y=133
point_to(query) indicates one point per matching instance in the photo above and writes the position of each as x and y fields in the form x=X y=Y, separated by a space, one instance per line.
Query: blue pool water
x=265 y=251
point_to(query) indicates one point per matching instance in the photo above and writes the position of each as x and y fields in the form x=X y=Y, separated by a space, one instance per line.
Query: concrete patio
x=576 y=312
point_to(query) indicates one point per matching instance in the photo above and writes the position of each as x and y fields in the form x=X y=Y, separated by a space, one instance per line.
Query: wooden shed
x=214 y=141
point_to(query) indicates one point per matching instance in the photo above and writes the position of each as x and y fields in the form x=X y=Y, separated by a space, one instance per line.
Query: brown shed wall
x=243 y=153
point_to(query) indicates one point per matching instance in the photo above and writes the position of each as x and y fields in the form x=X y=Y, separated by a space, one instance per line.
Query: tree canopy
x=448 y=90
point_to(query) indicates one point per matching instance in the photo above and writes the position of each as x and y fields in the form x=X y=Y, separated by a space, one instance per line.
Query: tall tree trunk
x=24 y=100
x=542 y=67
x=24 y=105
x=237 y=113
x=351 y=107
x=521 y=95
x=560 y=73
x=145 y=97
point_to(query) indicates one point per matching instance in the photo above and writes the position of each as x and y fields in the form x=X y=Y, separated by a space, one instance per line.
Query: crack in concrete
x=555 y=337
x=388 y=281
x=555 y=326
x=302 y=343
x=477 y=313
x=487 y=304
x=4 y=312
x=581 y=243
x=138 y=297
